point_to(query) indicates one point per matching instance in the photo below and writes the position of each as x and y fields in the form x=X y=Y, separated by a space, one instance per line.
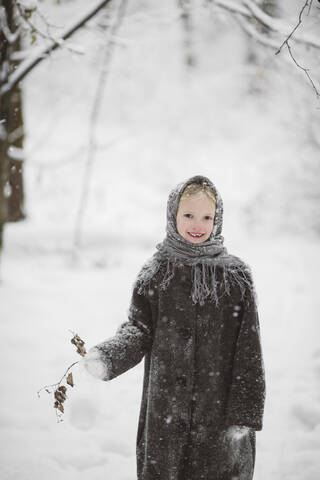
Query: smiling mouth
x=196 y=235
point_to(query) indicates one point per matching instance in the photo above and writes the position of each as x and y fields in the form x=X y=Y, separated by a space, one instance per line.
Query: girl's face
x=195 y=217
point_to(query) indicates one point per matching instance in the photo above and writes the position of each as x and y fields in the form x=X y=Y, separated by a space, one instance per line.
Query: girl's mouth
x=195 y=235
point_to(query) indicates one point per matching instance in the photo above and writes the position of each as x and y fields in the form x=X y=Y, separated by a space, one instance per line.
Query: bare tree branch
x=41 y=53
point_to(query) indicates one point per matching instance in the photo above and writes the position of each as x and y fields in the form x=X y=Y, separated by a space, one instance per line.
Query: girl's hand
x=94 y=363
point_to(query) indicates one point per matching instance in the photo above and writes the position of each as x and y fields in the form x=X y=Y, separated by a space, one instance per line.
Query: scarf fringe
x=205 y=284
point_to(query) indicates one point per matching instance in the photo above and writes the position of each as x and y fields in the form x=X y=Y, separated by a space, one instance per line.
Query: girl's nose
x=196 y=226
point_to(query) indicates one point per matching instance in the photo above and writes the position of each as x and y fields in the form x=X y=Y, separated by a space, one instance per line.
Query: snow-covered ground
x=159 y=123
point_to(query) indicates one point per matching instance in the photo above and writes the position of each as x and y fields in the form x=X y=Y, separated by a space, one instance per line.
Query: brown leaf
x=79 y=343
x=59 y=406
x=76 y=340
x=60 y=396
x=81 y=351
x=70 y=379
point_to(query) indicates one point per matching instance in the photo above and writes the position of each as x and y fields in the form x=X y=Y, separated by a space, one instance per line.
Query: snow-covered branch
x=252 y=32
x=249 y=14
x=40 y=53
x=25 y=14
x=251 y=10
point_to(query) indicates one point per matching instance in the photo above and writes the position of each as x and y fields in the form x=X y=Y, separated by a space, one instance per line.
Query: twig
x=60 y=390
x=308 y=4
x=303 y=69
x=58 y=383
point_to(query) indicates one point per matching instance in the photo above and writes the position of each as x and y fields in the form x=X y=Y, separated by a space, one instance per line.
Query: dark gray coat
x=203 y=372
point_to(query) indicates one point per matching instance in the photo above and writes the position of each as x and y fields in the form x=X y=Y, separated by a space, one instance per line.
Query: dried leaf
x=60 y=396
x=81 y=351
x=79 y=343
x=70 y=379
x=76 y=340
x=60 y=391
x=59 y=406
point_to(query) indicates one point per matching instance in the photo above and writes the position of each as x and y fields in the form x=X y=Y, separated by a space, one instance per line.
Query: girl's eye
x=189 y=215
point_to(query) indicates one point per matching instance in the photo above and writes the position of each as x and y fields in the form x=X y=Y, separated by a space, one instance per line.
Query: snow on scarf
x=204 y=258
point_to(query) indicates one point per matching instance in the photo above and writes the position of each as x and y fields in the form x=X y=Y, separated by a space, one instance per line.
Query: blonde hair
x=194 y=188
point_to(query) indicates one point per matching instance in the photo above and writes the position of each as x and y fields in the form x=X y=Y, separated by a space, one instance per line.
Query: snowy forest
x=104 y=107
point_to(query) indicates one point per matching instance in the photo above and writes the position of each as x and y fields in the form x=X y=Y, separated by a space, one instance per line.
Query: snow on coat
x=203 y=373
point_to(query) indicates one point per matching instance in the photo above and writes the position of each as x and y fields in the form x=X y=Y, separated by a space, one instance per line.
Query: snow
x=160 y=122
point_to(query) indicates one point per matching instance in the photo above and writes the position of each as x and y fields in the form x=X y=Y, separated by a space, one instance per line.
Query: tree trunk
x=15 y=165
x=11 y=183
x=185 y=8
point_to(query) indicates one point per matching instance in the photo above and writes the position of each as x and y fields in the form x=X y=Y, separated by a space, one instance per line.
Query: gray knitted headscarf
x=203 y=258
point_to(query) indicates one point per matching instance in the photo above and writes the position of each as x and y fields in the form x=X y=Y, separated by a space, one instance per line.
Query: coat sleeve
x=132 y=339
x=247 y=392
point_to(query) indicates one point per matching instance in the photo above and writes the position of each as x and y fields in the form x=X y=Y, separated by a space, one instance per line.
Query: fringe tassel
x=205 y=284
x=171 y=266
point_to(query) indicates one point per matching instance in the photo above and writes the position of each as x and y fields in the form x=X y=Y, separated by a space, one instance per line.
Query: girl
x=193 y=317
